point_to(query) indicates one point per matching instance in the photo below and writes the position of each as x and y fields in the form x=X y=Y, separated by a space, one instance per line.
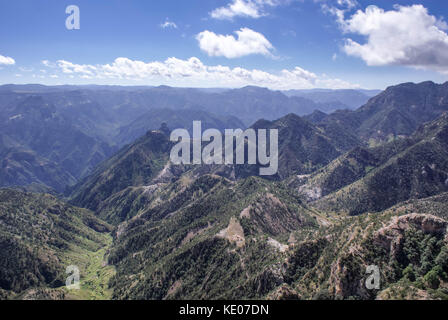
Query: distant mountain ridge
x=397 y=111
x=342 y=99
x=71 y=129
x=175 y=119
x=248 y=104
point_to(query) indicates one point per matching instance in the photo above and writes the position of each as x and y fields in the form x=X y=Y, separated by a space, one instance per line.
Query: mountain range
x=338 y=99
x=355 y=187
x=55 y=136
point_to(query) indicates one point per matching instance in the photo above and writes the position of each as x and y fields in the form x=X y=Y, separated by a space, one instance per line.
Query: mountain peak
x=292 y=120
x=164 y=129
x=412 y=85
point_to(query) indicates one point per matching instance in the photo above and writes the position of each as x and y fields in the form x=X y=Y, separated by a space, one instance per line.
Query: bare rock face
x=284 y=292
x=346 y=277
x=311 y=193
x=348 y=273
x=391 y=236
x=233 y=233
x=169 y=173
x=269 y=279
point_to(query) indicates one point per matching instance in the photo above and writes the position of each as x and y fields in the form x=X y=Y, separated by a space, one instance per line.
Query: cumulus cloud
x=6 y=60
x=406 y=35
x=194 y=73
x=245 y=8
x=168 y=24
x=237 y=8
x=68 y=67
x=247 y=42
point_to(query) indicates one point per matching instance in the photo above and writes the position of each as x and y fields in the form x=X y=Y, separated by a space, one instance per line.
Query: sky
x=279 y=44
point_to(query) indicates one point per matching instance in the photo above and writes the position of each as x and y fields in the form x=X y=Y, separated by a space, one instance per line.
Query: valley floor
x=95 y=276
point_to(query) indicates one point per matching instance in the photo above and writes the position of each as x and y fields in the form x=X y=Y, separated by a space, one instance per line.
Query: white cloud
x=341 y=4
x=237 y=8
x=193 y=73
x=168 y=24
x=349 y=4
x=7 y=60
x=68 y=67
x=247 y=42
x=338 y=8
x=407 y=35
x=245 y=8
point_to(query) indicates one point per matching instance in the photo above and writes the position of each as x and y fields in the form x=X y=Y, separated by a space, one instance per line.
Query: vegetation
x=40 y=236
x=354 y=189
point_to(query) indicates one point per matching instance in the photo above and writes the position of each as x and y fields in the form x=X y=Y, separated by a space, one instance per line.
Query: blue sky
x=281 y=44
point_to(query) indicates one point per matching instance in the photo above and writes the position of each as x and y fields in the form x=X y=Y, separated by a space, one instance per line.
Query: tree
x=409 y=273
x=442 y=259
x=432 y=279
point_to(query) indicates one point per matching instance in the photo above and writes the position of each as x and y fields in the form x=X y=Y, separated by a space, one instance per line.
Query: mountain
x=355 y=189
x=377 y=178
x=175 y=119
x=407 y=246
x=397 y=111
x=44 y=145
x=71 y=129
x=208 y=238
x=22 y=167
x=253 y=103
x=110 y=106
x=339 y=99
x=211 y=238
x=68 y=130
x=40 y=236
x=303 y=148
x=134 y=165
x=316 y=117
